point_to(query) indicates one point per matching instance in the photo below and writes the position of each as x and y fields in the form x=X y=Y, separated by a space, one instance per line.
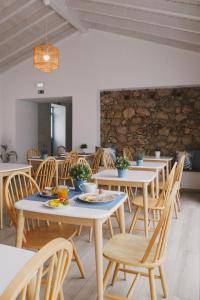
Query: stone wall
x=143 y=119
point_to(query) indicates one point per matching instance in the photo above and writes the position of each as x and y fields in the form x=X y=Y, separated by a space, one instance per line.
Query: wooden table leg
x=152 y=189
x=1 y=202
x=20 y=228
x=145 y=199
x=163 y=176
x=98 y=242
x=121 y=219
x=167 y=170
x=157 y=184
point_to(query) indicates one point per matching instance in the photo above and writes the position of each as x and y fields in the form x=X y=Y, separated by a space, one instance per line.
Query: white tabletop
x=149 y=165
x=7 y=167
x=69 y=210
x=131 y=176
x=166 y=158
x=11 y=262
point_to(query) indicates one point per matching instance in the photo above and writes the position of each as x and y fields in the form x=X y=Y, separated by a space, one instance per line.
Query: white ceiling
x=25 y=23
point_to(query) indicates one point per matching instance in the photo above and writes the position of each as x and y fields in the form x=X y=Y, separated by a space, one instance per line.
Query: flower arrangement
x=122 y=163
x=80 y=172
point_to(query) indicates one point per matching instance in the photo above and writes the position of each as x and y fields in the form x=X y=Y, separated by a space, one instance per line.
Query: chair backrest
x=32 y=152
x=60 y=150
x=167 y=187
x=18 y=186
x=108 y=161
x=179 y=169
x=83 y=161
x=65 y=169
x=157 y=244
x=43 y=275
x=127 y=153
x=97 y=160
x=46 y=172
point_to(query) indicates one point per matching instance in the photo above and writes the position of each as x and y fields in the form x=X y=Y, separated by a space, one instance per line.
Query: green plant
x=122 y=163
x=80 y=172
x=83 y=146
x=139 y=156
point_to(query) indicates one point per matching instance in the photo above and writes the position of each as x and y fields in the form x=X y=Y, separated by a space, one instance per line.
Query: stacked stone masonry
x=168 y=118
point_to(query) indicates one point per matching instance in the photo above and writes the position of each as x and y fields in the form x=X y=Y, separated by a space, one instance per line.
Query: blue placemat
x=73 y=197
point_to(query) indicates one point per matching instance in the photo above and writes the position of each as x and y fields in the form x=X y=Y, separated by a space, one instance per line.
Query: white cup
x=88 y=187
x=157 y=154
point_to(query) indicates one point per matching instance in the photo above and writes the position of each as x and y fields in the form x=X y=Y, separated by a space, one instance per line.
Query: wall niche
x=146 y=118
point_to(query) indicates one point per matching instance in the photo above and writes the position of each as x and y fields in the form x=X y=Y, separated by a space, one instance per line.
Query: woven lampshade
x=46 y=57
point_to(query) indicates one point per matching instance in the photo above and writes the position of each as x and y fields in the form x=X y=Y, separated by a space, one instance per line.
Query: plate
x=96 y=198
x=54 y=207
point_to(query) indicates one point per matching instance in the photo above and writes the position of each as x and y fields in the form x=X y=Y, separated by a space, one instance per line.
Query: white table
x=12 y=260
x=165 y=159
x=142 y=179
x=6 y=169
x=155 y=166
x=73 y=215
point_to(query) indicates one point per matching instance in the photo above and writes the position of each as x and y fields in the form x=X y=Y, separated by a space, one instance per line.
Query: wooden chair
x=138 y=252
x=178 y=178
x=108 y=161
x=155 y=205
x=97 y=160
x=36 y=234
x=46 y=172
x=65 y=177
x=37 y=281
x=61 y=150
x=32 y=152
x=127 y=153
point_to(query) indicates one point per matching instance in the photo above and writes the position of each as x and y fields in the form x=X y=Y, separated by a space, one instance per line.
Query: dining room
x=99 y=149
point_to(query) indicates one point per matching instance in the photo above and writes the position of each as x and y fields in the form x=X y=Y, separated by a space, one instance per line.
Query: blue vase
x=139 y=162
x=77 y=184
x=121 y=173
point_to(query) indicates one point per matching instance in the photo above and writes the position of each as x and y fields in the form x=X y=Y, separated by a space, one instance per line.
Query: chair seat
x=129 y=250
x=39 y=236
x=138 y=201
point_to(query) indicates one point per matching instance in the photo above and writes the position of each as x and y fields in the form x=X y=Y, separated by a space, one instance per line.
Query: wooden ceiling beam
x=146 y=37
x=184 y=8
x=139 y=15
x=16 y=11
x=63 y=8
x=35 y=41
x=165 y=32
x=27 y=27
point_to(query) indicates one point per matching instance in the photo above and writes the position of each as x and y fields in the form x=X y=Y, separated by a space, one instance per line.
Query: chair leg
x=135 y=218
x=78 y=261
x=110 y=227
x=115 y=273
x=61 y=295
x=91 y=234
x=107 y=274
x=152 y=285
x=178 y=201
x=176 y=209
x=79 y=230
x=163 y=282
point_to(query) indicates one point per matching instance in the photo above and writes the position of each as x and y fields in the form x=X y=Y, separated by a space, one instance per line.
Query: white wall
x=26 y=128
x=92 y=62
